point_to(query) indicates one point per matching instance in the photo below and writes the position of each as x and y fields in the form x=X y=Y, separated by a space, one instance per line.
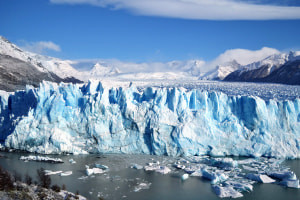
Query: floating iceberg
x=262 y=178
x=157 y=168
x=67 y=173
x=142 y=186
x=91 y=171
x=93 y=118
x=184 y=177
x=290 y=183
x=137 y=166
x=224 y=163
x=214 y=177
x=100 y=166
x=49 y=172
x=226 y=191
x=41 y=159
x=228 y=177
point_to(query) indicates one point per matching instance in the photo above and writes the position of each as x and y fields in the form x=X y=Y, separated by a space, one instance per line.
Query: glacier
x=174 y=121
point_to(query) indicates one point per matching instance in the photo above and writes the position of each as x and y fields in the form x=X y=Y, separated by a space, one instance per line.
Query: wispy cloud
x=196 y=9
x=40 y=47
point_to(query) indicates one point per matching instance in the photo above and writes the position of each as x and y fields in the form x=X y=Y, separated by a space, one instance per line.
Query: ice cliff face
x=163 y=121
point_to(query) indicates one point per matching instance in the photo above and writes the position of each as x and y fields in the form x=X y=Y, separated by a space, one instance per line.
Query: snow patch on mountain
x=221 y=71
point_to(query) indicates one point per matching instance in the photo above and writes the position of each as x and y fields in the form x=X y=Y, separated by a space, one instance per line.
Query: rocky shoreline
x=12 y=188
x=23 y=191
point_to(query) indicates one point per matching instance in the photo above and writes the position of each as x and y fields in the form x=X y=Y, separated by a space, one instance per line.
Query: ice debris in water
x=184 y=177
x=226 y=191
x=142 y=186
x=229 y=177
x=157 y=168
x=67 y=173
x=137 y=166
x=262 y=178
x=104 y=167
x=41 y=159
x=72 y=161
x=90 y=171
x=49 y=172
x=94 y=171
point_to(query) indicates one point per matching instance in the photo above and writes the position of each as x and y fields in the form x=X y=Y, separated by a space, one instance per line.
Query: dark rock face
x=288 y=73
x=15 y=74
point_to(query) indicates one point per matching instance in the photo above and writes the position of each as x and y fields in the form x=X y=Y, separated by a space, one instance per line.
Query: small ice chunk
x=224 y=163
x=72 y=161
x=283 y=175
x=226 y=191
x=262 y=178
x=240 y=185
x=89 y=171
x=184 y=177
x=290 y=183
x=157 y=168
x=215 y=177
x=141 y=186
x=150 y=168
x=94 y=171
x=83 y=177
x=191 y=169
x=163 y=170
x=179 y=166
x=246 y=161
x=249 y=168
x=104 y=167
x=136 y=166
x=41 y=159
x=49 y=172
x=67 y=173
x=197 y=173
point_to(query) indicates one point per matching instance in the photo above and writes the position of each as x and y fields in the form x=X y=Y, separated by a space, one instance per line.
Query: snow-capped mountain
x=20 y=68
x=190 y=67
x=289 y=73
x=57 y=70
x=101 y=71
x=261 y=70
x=117 y=70
x=61 y=68
x=221 y=71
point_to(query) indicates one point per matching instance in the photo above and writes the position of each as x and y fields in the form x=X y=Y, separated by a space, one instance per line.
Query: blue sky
x=149 y=32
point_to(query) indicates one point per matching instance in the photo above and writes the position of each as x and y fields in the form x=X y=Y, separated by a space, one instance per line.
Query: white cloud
x=243 y=56
x=196 y=9
x=40 y=47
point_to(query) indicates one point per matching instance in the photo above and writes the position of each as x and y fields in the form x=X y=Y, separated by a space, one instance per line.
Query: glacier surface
x=175 y=121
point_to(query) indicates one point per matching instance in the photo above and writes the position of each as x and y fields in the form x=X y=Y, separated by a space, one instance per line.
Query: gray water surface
x=121 y=181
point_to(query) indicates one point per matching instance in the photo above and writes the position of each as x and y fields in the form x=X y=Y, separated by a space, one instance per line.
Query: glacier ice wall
x=163 y=121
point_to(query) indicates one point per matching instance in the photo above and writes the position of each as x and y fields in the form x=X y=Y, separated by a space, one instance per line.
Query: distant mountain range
x=280 y=68
x=19 y=68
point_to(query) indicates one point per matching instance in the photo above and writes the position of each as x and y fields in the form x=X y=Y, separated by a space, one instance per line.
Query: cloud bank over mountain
x=242 y=56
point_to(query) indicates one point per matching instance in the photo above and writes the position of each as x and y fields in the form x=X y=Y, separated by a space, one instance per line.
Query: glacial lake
x=122 y=182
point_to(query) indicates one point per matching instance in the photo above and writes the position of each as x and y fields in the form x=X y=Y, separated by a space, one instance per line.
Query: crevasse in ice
x=91 y=118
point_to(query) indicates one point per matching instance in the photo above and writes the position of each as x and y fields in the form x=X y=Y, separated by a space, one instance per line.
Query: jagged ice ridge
x=92 y=118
